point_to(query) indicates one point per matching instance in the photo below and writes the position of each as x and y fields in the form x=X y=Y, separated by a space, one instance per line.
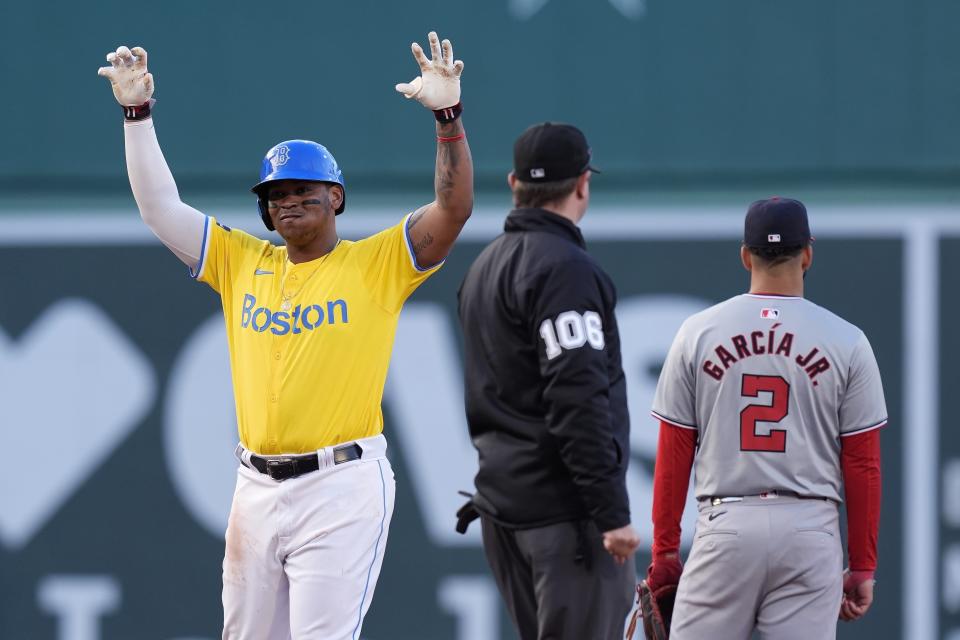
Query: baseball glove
x=654 y=609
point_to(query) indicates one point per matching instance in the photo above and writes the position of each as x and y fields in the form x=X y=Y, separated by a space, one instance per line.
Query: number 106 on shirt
x=572 y=330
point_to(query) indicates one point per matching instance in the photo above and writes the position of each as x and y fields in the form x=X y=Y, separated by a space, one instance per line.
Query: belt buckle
x=347 y=453
x=281 y=468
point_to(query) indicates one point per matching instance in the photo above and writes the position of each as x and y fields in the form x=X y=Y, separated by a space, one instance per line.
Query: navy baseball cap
x=549 y=152
x=776 y=222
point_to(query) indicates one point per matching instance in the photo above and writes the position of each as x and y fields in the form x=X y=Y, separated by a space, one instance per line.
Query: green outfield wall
x=669 y=92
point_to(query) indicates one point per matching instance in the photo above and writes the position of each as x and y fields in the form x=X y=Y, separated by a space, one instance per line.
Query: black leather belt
x=286 y=467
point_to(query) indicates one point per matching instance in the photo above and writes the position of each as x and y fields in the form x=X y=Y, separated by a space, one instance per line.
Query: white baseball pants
x=303 y=555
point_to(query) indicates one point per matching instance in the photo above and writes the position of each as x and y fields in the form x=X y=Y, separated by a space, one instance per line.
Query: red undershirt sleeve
x=860 y=463
x=671 y=478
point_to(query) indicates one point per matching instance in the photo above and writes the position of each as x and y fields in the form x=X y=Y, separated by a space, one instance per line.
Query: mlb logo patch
x=770 y=314
x=773 y=237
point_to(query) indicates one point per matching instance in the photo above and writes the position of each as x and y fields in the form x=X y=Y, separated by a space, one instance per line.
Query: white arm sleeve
x=179 y=226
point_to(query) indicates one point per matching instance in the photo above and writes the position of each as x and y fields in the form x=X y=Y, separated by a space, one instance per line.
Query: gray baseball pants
x=767 y=564
x=558 y=582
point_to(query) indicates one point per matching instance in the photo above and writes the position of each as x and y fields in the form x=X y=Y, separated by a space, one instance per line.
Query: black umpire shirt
x=545 y=392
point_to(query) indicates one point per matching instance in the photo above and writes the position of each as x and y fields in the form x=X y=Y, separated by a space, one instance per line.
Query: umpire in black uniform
x=546 y=405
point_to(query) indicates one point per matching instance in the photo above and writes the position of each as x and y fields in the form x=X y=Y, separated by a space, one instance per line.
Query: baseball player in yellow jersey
x=310 y=328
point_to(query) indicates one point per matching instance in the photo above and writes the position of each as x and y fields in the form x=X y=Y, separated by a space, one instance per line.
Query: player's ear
x=335 y=193
x=512 y=183
x=746 y=257
x=583 y=185
x=807 y=257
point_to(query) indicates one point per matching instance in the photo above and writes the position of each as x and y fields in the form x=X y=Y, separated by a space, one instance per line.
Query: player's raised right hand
x=132 y=83
x=438 y=85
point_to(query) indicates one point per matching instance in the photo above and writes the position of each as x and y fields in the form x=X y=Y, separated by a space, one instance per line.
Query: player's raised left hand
x=132 y=83
x=438 y=85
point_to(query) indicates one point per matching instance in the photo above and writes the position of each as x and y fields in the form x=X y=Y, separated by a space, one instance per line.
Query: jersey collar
x=543 y=220
x=773 y=295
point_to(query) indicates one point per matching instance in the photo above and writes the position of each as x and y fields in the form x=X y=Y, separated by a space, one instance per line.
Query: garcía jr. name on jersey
x=771 y=383
x=310 y=343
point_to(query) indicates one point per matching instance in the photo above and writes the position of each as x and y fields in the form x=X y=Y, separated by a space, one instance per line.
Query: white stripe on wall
x=56 y=228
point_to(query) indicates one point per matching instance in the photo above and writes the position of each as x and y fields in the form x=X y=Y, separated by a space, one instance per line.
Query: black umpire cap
x=549 y=152
x=776 y=222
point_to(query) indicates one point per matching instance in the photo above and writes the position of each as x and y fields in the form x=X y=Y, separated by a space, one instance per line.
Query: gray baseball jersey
x=771 y=384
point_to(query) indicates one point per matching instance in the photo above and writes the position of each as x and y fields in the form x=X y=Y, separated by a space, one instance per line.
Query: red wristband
x=462 y=136
x=140 y=112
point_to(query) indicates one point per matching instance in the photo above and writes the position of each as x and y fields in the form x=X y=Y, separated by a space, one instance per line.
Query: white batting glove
x=132 y=83
x=438 y=85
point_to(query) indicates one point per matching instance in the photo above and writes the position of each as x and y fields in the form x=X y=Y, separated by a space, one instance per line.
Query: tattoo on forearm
x=422 y=244
x=453 y=179
x=445 y=180
x=449 y=129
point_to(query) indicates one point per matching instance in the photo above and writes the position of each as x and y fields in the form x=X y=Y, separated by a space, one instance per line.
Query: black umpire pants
x=558 y=581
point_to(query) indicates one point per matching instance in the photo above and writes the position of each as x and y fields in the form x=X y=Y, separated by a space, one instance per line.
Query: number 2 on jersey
x=776 y=411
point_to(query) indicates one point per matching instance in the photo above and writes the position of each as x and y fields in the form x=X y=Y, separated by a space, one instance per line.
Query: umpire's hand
x=621 y=543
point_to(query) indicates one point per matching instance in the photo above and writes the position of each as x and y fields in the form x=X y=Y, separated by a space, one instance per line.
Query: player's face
x=300 y=209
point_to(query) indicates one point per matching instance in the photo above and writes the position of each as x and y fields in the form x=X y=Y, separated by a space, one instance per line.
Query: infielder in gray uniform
x=778 y=399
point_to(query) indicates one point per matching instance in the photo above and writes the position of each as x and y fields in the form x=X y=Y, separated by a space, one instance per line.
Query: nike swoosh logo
x=715 y=515
x=261 y=272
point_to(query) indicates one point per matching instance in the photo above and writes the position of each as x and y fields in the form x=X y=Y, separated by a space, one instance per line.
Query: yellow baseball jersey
x=310 y=343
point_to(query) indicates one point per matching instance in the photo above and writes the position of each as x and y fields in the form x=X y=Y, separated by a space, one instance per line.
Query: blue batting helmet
x=297 y=160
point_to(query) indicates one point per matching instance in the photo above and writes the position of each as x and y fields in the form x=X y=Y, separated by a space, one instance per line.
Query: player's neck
x=780 y=285
x=317 y=248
